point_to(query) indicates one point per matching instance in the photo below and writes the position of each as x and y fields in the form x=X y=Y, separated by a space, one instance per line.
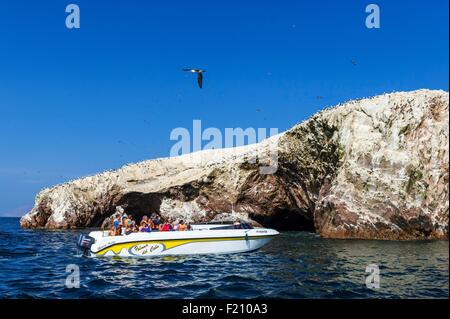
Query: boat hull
x=179 y=243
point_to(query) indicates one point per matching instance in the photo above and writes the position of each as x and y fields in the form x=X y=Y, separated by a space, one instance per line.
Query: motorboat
x=201 y=239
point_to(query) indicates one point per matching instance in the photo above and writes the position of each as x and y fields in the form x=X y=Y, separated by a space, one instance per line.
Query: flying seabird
x=199 y=75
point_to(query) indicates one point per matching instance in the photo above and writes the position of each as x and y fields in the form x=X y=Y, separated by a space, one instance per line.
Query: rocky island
x=373 y=168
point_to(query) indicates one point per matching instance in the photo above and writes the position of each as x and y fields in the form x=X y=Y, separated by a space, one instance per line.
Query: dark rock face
x=374 y=168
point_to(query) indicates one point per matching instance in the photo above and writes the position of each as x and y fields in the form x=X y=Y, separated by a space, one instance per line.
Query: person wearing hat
x=119 y=209
x=124 y=222
x=116 y=223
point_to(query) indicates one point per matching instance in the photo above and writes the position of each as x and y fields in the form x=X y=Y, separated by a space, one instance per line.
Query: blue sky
x=77 y=102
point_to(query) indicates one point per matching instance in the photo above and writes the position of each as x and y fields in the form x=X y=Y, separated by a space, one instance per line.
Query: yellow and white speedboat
x=202 y=239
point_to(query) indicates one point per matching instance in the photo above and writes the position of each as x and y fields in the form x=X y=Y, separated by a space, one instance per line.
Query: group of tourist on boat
x=124 y=224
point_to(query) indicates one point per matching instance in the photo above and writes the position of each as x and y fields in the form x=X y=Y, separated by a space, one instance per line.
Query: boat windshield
x=237 y=226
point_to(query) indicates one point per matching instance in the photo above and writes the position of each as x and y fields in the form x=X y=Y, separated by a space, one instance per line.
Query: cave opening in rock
x=140 y=204
x=285 y=220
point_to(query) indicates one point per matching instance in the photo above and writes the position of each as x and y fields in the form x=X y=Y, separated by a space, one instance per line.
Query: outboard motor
x=84 y=243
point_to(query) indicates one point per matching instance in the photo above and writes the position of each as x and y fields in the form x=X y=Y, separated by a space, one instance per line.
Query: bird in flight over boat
x=199 y=75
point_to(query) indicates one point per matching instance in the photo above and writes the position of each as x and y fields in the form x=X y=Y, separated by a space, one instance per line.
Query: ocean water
x=294 y=265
